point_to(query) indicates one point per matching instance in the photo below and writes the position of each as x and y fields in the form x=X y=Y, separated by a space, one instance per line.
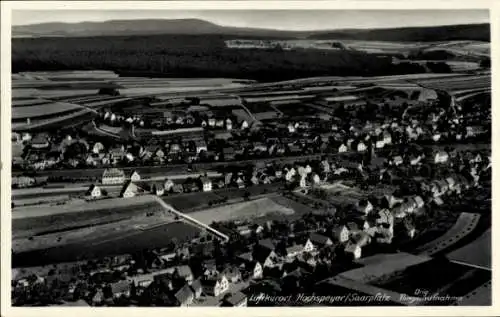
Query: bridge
x=191 y=220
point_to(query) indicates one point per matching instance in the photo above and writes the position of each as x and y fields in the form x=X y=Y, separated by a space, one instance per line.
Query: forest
x=194 y=56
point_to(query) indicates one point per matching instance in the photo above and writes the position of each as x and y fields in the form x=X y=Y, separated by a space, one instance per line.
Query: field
x=80 y=207
x=293 y=110
x=441 y=276
x=115 y=243
x=457 y=83
x=56 y=122
x=382 y=265
x=250 y=210
x=477 y=253
x=63 y=219
x=463 y=226
x=189 y=201
x=43 y=110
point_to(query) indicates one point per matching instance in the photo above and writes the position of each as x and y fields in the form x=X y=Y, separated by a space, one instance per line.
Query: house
x=168 y=185
x=129 y=190
x=389 y=201
x=267 y=244
x=267 y=257
x=244 y=125
x=120 y=288
x=196 y=288
x=294 y=251
x=364 y=206
x=379 y=144
x=240 y=182
x=177 y=188
x=215 y=287
x=259 y=147
x=451 y=183
x=440 y=157
x=211 y=122
x=237 y=299
x=387 y=137
x=184 y=296
x=419 y=201
x=253 y=269
x=397 y=160
x=159 y=153
x=229 y=124
x=157 y=189
x=201 y=146
x=184 y=272
x=341 y=234
x=385 y=235
x=353 y=250
x=113 y=176
x=40 y=141
x=94 y=191
x=233 y=274
x=244 y=230
x=361 y=147
x=415 y=159
x=135 y=177
x=343 y=148
x=98 y=297
x=228 y=153
x=319 y=241
x=385 y=217
x=97 y=148
x=206 y=184
x=302 y=182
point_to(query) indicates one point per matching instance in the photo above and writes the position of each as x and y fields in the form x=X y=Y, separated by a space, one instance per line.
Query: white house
x=387 y=138
x=316 y=179
x=229 y=124
x=361 y=147
x=414 y=160
x=308 y=246
x=94 y=191
x=419 y=202
x=290 y=174
x=215 y=287
x=397 y=160
x=113 y=176
x=294 y=251
x=244 y=125
x=353 y=249
x=343 y=148
x=256 y=270
x=364 y=206
x=436 y=137
x=201 y=146
x=206 y=184
x=168 y=185
x=441 y=157
x=341 y=234
x=158 y=189
x=135 y=177
x=379 y=144
x=302 y=182
x=291 y=128
x=129 y=190
x=97 y=148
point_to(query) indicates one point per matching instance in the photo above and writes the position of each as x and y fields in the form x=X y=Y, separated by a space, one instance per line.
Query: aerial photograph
x=243 y=158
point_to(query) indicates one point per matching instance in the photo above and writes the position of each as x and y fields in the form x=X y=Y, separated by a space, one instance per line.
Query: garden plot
x=246 y=210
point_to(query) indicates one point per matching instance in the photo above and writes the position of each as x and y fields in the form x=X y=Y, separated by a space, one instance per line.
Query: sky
x=273 y=19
